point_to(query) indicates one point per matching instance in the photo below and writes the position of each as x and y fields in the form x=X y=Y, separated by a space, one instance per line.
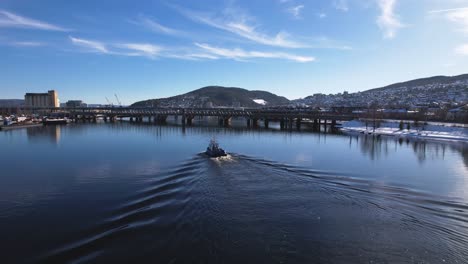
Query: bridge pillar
x=255 y=122
x=226 y=121
x=248 y=122
x=266 y=122
x=290 y=123
x=160 y=119
x=105 y=118
x=282 y=123
x=298 y=123
x=189 y=120
x=131 y=119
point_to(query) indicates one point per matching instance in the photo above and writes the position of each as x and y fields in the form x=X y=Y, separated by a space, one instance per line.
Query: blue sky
x=90 y=50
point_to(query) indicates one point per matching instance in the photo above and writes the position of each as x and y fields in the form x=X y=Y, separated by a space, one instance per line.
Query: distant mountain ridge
x=441 y=79
x=11 y=102
x=433 y=91
x=217 y=96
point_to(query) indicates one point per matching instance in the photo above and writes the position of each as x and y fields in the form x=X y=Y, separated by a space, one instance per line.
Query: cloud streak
x=8 y=19
x=140 y=49
x=237 y=22
x=27 y=44
x=123 y=49
x=200 y=51
x=240 y=54
x=455 y=15
x=90 y=45
x=388 y=21
x=157 y=27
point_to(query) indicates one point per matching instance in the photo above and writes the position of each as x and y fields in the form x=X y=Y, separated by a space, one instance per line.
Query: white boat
x=55 y=121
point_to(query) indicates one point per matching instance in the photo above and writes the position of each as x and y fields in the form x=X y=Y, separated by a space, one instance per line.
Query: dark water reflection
x=142 y=193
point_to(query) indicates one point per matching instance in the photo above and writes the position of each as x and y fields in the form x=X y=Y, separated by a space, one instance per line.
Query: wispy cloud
x=123 y=49
x=341 y=5
x=322 y=15
x=327 y=43
x=9 y=19
x=388 y=21
x=140 y=49
x=198 y=52
x=448 y=10
x=157 y=27
x=27 y=44
x=456 y=15
x=462 y=50
x=90 y=45
x=238 y=22
x=295 y=11
x=240 y=54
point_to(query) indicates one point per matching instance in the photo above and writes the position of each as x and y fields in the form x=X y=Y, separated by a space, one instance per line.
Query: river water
x=140 y=193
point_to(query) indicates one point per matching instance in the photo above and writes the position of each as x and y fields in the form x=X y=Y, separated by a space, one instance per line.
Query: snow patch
x=260 y=101
x=429 y=131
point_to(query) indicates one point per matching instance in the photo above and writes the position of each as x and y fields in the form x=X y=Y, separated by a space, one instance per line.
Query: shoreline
x=433 y=131
x=12 y=127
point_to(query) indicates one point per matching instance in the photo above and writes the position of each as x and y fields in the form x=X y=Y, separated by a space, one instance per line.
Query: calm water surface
x=141 y=193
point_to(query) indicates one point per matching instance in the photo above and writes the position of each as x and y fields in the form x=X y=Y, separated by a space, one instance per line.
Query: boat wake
x=207 y=209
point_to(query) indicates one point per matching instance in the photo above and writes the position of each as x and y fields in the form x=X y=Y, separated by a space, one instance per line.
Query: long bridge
x=286 y=117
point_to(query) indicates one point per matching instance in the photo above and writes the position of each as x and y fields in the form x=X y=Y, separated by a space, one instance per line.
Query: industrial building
x=49 y=99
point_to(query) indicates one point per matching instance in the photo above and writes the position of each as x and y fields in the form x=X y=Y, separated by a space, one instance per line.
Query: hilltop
x=218 y=96
x=424 y=82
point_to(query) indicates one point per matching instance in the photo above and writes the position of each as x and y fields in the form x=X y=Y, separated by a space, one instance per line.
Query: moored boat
x=55 y=121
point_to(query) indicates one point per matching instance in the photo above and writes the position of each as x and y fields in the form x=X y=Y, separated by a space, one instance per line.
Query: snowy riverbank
x=434 y=131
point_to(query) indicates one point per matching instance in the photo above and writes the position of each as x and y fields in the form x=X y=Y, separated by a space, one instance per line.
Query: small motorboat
x=213 y=150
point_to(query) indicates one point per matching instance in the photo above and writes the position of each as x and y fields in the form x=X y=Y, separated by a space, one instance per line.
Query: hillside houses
x=446 y=95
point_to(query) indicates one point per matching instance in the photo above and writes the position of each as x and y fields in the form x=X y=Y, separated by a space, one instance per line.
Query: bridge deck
x=254 y=113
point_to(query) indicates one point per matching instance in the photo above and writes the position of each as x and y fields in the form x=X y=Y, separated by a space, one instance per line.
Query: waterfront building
x=75 y=103
x=49 y=99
